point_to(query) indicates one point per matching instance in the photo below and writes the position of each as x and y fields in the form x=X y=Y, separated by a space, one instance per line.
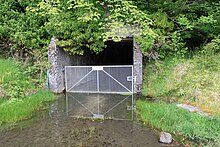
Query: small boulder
x=165 y=138
x=192 y=109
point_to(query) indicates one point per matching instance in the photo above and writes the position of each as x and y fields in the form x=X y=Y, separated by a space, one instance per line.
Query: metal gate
x=100 y=91
x=99 y=79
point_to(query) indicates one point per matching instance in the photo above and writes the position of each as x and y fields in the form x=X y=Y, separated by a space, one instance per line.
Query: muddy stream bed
x=59 y=126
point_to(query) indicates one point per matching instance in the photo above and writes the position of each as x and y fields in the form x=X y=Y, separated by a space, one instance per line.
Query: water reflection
x=107 y=106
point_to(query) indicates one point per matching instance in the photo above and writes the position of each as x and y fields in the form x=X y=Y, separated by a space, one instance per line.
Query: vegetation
x=14 y=79
x=194 y=81
x=19 y=96
x=15 y=110
x=179 y=39
x=167 y=117
x=167 y=27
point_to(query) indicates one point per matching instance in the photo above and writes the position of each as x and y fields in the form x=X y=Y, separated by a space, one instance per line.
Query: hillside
x=194 y=81
x=19 y=96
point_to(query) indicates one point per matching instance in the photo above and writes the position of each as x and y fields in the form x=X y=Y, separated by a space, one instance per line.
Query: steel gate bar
x=81 y=79
x=97 y=69
x=116 y=81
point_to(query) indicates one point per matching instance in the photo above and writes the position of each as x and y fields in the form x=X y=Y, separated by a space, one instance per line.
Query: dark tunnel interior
x=116 y=53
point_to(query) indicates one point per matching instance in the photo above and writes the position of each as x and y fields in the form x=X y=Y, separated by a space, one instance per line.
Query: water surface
x=61 y=127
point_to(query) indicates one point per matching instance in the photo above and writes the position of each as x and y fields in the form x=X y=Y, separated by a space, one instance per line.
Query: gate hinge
x=131 y=108
x=130 y=78
x=134 y=78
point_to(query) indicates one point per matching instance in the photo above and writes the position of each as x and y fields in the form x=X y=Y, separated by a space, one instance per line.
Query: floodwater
x=103 y=106
x=72 y=121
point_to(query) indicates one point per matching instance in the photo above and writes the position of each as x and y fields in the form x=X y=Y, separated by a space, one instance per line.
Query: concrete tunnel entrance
x=116 y=53
x=126 y=52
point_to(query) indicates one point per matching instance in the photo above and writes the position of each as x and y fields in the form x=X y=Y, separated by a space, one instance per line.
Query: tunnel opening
x=115 y=53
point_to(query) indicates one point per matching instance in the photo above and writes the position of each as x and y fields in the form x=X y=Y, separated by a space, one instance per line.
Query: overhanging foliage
x=164 y=26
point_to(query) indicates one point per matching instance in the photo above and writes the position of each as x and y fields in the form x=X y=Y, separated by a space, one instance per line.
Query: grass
x=20 y=98
x=155 y=78
x=15 y=110
x=1 y=101
x=193 y=81
x=11 y=71
x=14 y=78
x=167 y=117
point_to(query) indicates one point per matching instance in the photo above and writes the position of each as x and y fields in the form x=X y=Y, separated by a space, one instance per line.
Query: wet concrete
x=60 y=126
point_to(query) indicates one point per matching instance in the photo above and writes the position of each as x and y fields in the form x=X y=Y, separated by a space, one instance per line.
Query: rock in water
x=165 y=138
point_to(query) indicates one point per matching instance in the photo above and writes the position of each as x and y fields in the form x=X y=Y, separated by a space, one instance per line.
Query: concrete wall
x=137 y=64
x=58 y=59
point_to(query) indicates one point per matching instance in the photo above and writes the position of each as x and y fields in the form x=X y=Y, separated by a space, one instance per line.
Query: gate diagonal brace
x=81 y=80
x=123 y=87
x=117 y=81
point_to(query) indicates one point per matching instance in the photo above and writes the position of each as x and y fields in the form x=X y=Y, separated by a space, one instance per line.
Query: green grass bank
x=20 y=97
x=193 y=81
x=169 y=118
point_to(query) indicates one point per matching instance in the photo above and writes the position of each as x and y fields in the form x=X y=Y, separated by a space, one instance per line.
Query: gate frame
x=102 y=66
